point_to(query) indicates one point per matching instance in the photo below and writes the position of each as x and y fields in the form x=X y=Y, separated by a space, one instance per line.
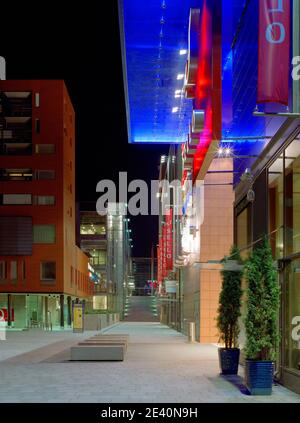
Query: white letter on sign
x=296 y=330
x=279 y=8
x=269 y=33
x=296 y=69
x=2 y=68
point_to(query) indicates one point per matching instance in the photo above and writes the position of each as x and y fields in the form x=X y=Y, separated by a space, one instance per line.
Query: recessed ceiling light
x=175 y=109
x=182 y=52
x=180 y=76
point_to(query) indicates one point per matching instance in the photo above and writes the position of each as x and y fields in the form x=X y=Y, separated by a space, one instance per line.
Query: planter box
x=259 y=377
x=229 y=360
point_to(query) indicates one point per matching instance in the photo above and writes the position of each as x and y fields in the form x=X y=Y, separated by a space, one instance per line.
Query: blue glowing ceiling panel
x=153 y=32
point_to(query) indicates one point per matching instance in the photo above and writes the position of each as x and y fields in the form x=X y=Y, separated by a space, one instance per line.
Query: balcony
x=15 y=123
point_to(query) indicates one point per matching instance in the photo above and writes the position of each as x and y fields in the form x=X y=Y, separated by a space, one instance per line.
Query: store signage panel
x=274 y=51
x=171 y=287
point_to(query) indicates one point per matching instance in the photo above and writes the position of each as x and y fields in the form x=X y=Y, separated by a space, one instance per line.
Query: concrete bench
x=97 y=353
x=112 y=336
x=108 y=338
x=103 y=342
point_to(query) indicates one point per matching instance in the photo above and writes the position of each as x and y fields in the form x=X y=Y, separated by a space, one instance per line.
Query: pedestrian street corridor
x=160 y=366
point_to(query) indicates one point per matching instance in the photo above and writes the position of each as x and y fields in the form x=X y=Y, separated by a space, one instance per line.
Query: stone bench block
x=97 y=353
x=104 y=342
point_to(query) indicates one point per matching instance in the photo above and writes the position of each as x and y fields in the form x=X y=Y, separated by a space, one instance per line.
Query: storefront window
x=98 y=257
x=292 y=317
x=276 y=190
x=292 y=197
x=243 y=232
x=92 y=229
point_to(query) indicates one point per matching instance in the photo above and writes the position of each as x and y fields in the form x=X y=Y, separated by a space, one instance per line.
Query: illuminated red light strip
x=204 y=85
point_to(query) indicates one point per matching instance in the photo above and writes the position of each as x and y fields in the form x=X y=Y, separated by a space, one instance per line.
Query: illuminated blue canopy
x=153 y=32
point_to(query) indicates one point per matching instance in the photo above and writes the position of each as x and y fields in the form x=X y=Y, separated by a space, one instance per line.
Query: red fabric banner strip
x=169 y=239
x=274 y=51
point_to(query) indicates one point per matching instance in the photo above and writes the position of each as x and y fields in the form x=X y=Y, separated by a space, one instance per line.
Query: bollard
x=192 y=331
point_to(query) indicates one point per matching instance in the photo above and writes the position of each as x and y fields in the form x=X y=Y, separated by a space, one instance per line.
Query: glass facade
x=92 y=229
x=292 y=197
x=276 y=212
x=276 y=208
x=292 y=317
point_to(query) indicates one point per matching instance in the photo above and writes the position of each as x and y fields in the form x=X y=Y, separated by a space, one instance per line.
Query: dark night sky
x=81 y=45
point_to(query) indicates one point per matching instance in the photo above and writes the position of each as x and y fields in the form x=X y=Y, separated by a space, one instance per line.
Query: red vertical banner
x=169 y=239
x=274 y=51
x=164 y=251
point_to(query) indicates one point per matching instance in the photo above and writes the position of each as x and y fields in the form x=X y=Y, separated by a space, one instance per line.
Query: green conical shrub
x=230 y=303
x=263 y=296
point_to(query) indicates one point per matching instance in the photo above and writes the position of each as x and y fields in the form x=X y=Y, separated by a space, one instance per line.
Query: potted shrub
x=229 y=313
x=261 y=320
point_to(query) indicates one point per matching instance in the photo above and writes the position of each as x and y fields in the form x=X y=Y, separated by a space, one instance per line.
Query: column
x=62 y=318
x=69 y=311
x=46 y=312
x=9 y=310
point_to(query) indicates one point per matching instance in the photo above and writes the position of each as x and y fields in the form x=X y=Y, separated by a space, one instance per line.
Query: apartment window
x=13 y=270
x=45 y=148
x=37 y=126
x=14 y=199
x=17 y=148
x=6 y=135
x=48 y=271
x=37 y=99
x=44 y=200
x=72 y=275
x=2 y=270
x=15 y=174
x=43 y=234
x=44 y=174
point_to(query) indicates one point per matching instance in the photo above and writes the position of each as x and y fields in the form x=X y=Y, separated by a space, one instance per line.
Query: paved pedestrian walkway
x=141 y=309
x=160 y=366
